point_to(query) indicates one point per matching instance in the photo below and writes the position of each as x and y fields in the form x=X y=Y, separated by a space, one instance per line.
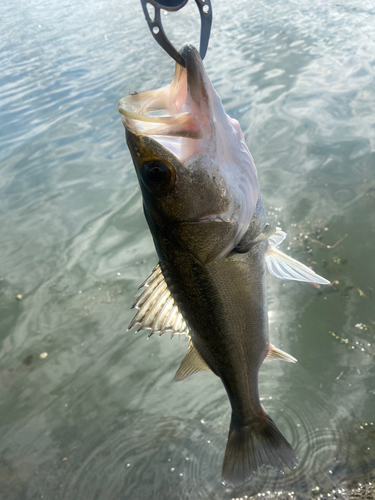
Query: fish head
x=197 y=177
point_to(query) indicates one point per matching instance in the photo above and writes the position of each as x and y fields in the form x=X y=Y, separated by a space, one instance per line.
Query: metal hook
x=158 y=32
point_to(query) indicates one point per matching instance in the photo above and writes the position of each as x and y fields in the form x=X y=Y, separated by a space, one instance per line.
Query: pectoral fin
x=275 y=353
x=282 y=266
x=192 y=363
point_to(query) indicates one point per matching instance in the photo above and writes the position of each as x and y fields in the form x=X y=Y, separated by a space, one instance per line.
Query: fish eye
x=157 y=175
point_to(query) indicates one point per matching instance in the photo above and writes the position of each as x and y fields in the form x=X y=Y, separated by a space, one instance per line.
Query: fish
x=202 y=203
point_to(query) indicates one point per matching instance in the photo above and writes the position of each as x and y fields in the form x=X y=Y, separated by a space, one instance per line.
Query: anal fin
x=275 y=353
x=192 y=363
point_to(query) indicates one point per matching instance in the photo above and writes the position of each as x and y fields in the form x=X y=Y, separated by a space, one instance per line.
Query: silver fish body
x=203 y=206
x=225 y=305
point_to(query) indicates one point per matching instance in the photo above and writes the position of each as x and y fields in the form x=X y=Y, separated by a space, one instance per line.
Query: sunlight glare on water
x=89 y=410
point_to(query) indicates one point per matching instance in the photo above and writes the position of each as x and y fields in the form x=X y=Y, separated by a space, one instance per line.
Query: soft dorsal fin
x=275 y=353
x=192 y=363
x=157 y=310
x=282 y=266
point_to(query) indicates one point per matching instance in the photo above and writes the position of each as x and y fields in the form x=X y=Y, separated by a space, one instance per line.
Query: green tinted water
x=99 y=417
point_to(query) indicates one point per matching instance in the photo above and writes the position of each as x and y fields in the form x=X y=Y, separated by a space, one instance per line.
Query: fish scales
x=226 y=302
x=203 y=205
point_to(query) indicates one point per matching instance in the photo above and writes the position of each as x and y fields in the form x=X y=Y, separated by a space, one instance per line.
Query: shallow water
x=99 y=417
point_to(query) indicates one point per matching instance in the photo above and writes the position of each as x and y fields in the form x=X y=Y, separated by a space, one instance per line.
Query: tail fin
x=252 y=446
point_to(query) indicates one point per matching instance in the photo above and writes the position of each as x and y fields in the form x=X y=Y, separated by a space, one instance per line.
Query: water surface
x=99 y=417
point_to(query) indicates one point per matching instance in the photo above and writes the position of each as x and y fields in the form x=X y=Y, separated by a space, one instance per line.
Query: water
x=99 y=417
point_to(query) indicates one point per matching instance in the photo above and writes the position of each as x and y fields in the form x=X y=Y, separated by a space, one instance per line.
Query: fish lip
x=195 y=71
x=189 y=52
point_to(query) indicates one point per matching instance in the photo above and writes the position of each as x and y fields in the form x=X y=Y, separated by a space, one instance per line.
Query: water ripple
x=74 y=246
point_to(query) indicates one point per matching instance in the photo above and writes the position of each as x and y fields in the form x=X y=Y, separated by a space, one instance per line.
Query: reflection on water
x=99 y=417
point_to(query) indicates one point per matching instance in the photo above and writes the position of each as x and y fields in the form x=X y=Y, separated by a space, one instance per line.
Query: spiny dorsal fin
x=282 y=266
x=192 y=363
x=275 y=353
x=157 y=310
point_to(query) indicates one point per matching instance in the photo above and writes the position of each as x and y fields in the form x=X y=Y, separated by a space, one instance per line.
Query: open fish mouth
x=178 y=116
x=159 y=112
